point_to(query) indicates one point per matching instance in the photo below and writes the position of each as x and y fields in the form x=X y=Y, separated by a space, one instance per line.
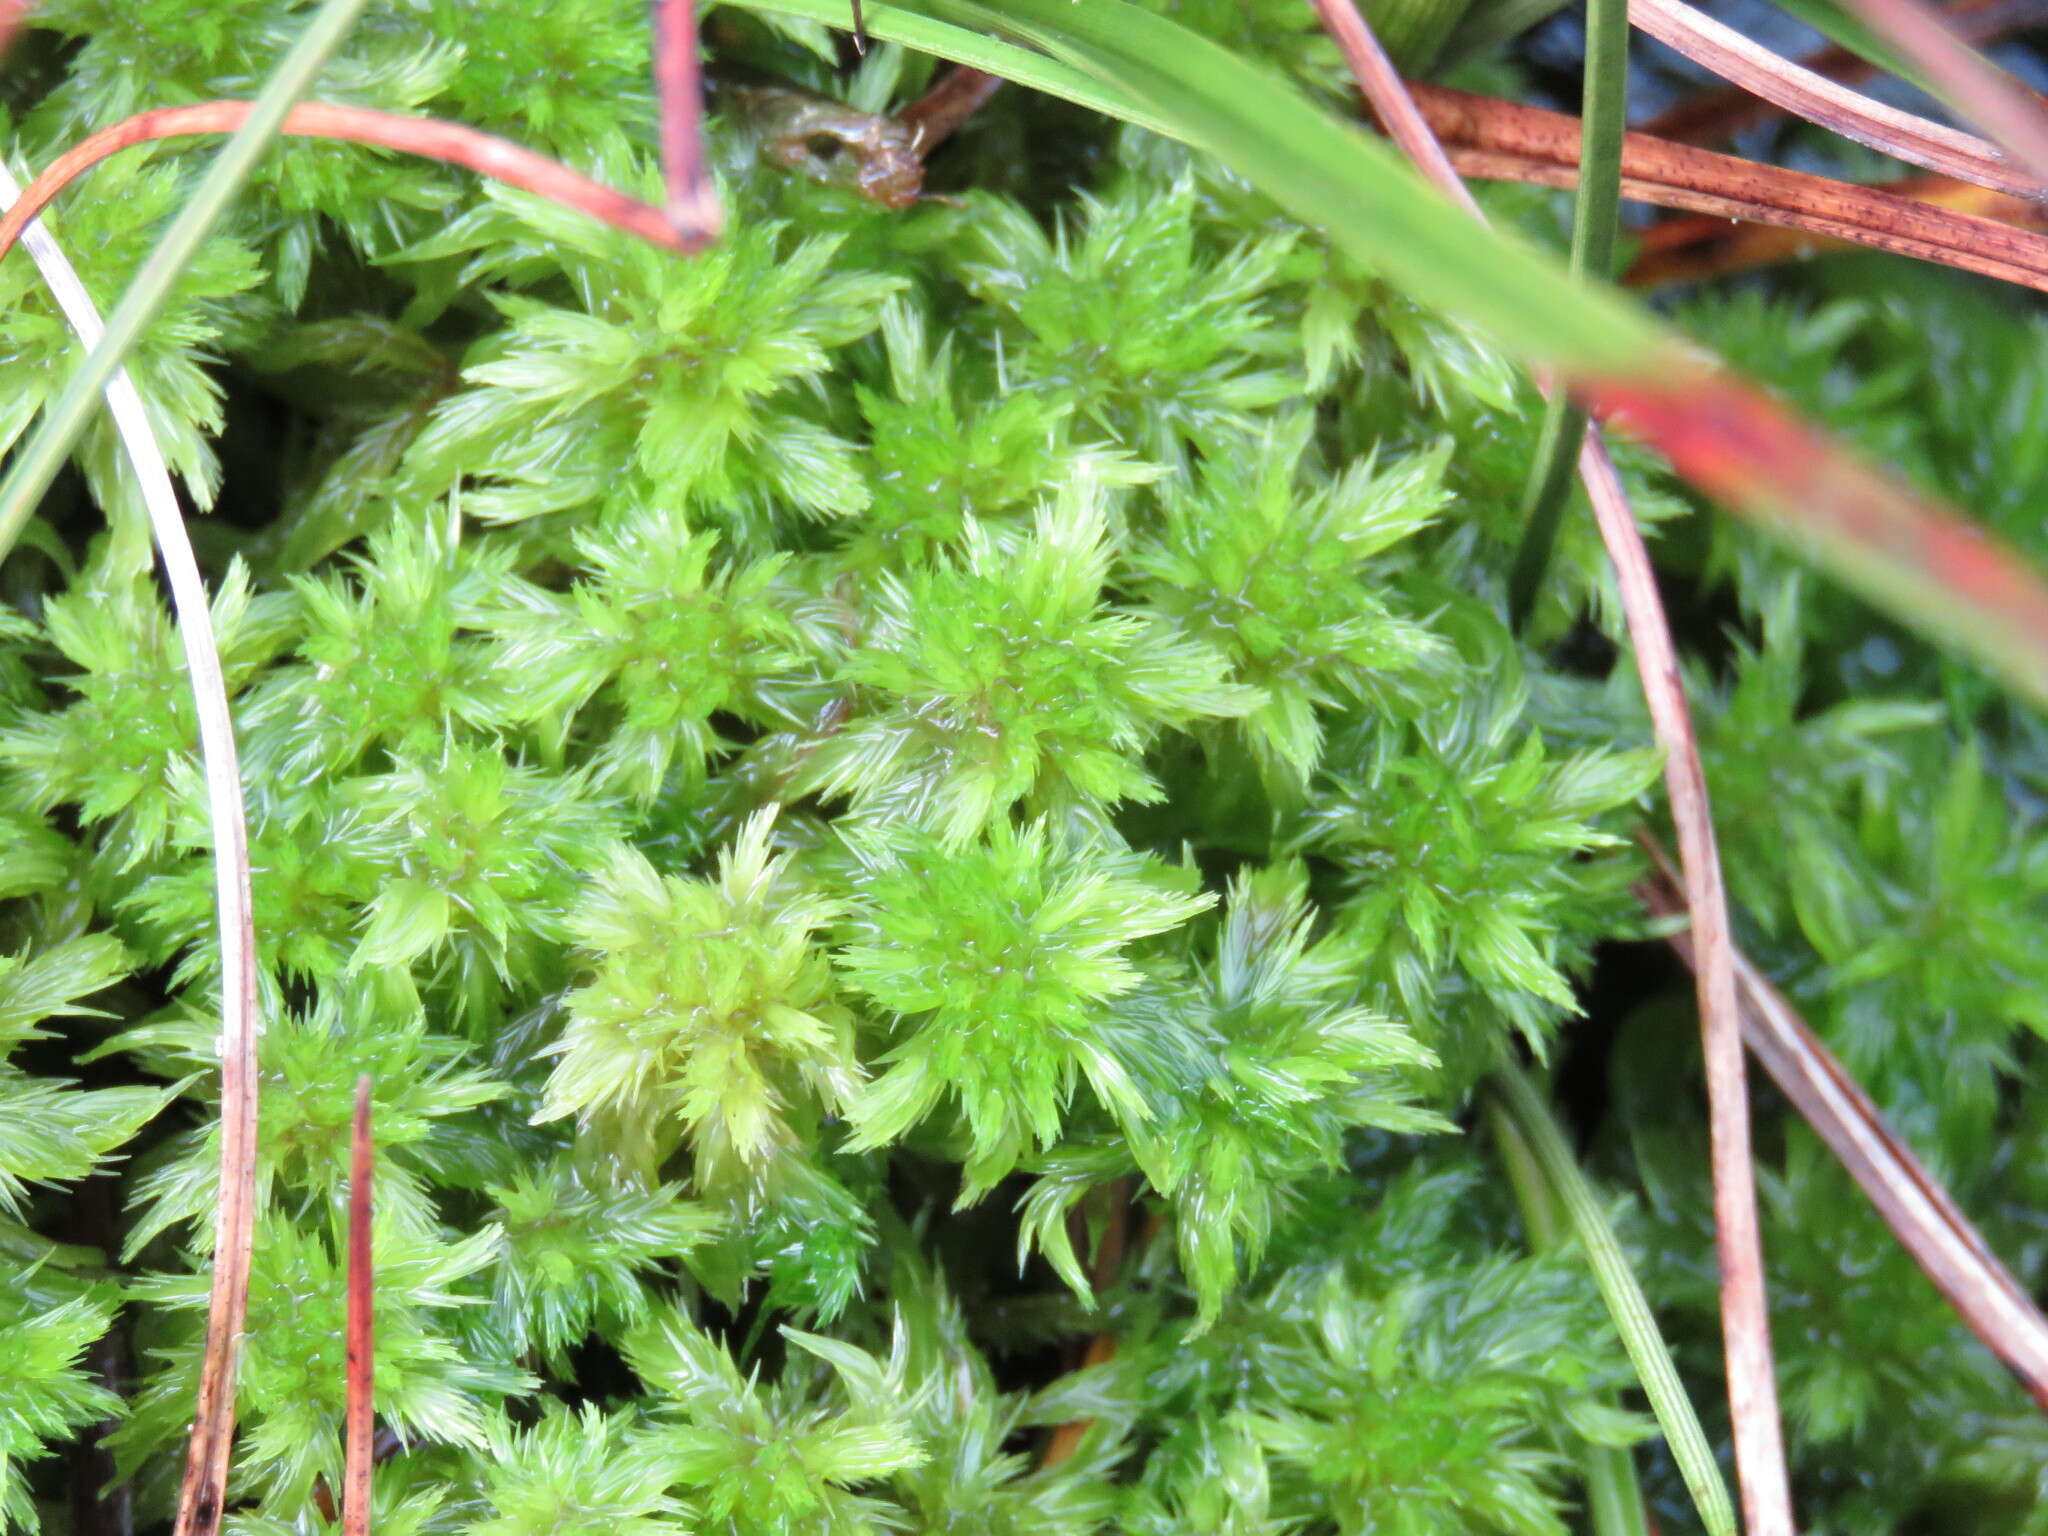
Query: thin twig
x=1912 y=1202
x=1972 y=86
x=1745 y=1321
x=937 y=115
x=1701 y=246
x=1853 y=115
x=50 y=445
x=362 y=1351
x=471 y=148
x=199 y=1503
x=1506 y=141
x=679 y=91
x=1745 y=1316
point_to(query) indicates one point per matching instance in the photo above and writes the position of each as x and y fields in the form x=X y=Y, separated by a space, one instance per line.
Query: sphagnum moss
x=840 y=787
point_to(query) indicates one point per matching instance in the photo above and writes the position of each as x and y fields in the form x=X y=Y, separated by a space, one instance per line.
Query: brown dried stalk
x=1695 y=248
x=1979 y=90
x=1745 y=1320
x=1720 y=114
x=1506 y=141
x=1921 y=1214
x=362 y=1338
x=484 y=153
x=1854 y=116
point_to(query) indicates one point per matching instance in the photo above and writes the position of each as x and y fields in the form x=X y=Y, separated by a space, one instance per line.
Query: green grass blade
x=58 y=432
x=1487 y=27
x=964 y=45
x=1530 y=1136
x=1336 y=177
x=1596 y=210
x=1614 y=1499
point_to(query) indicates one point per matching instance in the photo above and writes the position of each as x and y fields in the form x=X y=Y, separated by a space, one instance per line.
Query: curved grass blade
x=1487 y=27
x=61 y=425
x=1516 y=1109
x=1973 y=87
x=1595 y=211
x=199 y=1499
x=1715 y=116
x=1841 y=25
x=1614 y=1499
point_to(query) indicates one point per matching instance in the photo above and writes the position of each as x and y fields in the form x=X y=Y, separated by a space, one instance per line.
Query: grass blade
x=1595 y=212
x=1522 y=1121
x=199 y=1500
x=61 y=425
x=1614 y=1499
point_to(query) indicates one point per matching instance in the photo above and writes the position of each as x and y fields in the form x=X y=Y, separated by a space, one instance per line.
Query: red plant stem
x=1745 y=1320
x=938 y=113
x=1506 y=141
x=1888 y=130
x=679 y=91
x=484 y=153
x=1704 y=246
x=362 y=1344
x=12 y=14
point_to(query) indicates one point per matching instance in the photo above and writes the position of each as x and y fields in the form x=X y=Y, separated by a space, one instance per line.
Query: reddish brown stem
x=1506 y=141
x=936 y=115
x=1705 y=246
x=1108 y=1263
x=12 y=14
x=679 y=91
x=484 y=153
x=362 y=1341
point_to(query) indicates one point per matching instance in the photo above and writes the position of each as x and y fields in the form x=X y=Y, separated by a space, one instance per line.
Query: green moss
x=924 y=824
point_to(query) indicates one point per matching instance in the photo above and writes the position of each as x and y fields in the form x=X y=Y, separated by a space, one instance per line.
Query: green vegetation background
x=835 y=783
